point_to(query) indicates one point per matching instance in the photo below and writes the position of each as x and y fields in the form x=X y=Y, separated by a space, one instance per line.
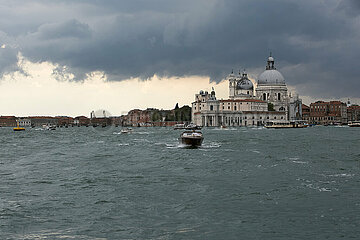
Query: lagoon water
x=243 y=183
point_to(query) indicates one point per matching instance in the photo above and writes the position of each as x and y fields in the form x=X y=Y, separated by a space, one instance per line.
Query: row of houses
x=136 y=118
x=60 y=121
x=320 y=112
x=330 y=113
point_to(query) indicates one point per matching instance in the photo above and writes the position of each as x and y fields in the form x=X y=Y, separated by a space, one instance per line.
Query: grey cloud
x=69 y=29
x=317 y=40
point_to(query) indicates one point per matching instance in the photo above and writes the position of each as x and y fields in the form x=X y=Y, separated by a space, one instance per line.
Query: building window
x=279 y=97
x=228 y=107
x=235 y=108
x=264 y=96
x=211 y=108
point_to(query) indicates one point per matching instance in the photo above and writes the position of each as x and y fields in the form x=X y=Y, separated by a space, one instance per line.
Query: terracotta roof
x=7 y=117
x=243 y=100
x=304 y=106
x=41 y=117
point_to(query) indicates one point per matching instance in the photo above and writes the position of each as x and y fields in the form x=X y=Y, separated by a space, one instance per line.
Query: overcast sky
x=315 y=42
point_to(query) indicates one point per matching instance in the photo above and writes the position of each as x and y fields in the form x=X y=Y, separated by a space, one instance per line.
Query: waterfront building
x=24 y=122
x=137 y=117
x=305 y=111
x=39 y=121
x=81 y=121
x=65 y=121
x=248 y=105
x=325 y=113
x=353 y=113
x=7 y=121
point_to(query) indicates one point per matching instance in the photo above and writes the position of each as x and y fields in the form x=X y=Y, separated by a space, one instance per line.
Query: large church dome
x=271 y=76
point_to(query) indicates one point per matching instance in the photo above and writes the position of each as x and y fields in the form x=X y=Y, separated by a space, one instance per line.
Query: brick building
x=81 y=121
x=65 y=121
x=305 y=110
x=353 y=113
x=324 y=113
x=7 y=121
x=139 y=117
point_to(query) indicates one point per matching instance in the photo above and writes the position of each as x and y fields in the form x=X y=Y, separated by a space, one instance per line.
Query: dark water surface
x=244 y=183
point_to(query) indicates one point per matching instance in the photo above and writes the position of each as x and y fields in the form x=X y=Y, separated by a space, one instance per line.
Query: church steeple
x=244 y=75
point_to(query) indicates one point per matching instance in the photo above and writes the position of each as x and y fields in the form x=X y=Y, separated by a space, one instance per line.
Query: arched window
x=211 y=107
x=264 y=96
x=279 y=96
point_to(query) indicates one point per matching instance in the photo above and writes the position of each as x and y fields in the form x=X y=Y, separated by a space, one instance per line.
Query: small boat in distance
x=192 y=126
x=191 y=138
x=179 y=126
x=17 y=128
x=49 y=127
x=285 y=124
x=354 y=124
x=126 y=130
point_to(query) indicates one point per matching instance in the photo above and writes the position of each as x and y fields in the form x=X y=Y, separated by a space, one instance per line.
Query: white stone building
x=247 y=105
x=24 y=122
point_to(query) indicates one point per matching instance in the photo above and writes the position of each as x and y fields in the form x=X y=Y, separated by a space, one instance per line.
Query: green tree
x=271 y=107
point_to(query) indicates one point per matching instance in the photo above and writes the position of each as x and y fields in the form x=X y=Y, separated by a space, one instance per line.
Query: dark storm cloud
x=315 y=43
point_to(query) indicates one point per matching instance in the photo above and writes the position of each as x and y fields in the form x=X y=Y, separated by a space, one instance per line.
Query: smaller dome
x=271 y=59
x=244 y=84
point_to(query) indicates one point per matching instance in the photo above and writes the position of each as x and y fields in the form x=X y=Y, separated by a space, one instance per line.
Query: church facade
x=248 y=105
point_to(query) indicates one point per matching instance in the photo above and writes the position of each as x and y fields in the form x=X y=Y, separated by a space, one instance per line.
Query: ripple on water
x=147 y=186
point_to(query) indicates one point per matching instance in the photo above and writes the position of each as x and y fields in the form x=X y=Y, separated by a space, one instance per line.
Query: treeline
x=182 y=114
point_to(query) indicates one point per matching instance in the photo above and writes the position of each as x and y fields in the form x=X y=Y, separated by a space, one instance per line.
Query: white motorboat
x=285 y=124
x=179 y=126
x=191 y=138
x=354 y=124
x=126 y=130
x=49 y=127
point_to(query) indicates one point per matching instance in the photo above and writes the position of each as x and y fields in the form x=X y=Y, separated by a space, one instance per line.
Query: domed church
x=271 y=86
x=248 y=105
x=240 y=87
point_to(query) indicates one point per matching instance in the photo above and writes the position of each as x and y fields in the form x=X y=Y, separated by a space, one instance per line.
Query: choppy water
x=244 y=183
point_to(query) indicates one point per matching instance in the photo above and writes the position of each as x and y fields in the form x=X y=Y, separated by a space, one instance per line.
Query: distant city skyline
x=70 y=58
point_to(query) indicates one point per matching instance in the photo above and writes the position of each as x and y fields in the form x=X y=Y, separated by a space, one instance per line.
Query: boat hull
x=18 y=129
x=282 y=127
x=191 y=141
